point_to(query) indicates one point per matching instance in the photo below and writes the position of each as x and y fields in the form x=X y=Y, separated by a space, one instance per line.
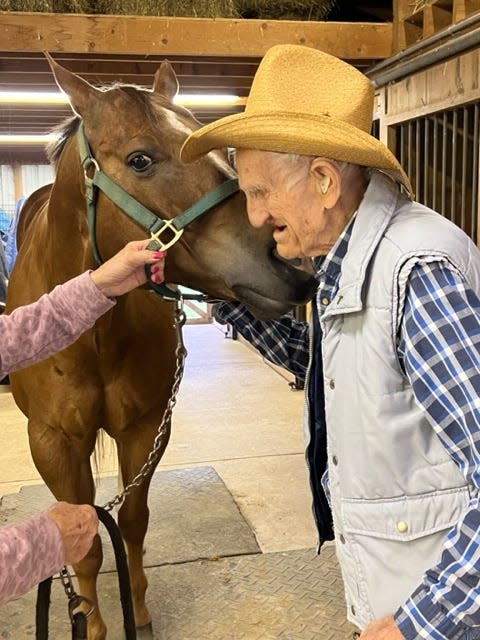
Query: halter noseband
x=151 y=223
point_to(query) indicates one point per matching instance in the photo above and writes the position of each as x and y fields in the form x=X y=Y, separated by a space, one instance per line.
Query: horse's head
x=135 y=136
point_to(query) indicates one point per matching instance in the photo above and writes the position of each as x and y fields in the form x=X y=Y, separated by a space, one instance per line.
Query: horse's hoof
x=145 y=632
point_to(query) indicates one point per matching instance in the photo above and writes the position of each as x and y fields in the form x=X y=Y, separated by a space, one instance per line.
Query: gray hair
x=346 y=169
x=301 y=164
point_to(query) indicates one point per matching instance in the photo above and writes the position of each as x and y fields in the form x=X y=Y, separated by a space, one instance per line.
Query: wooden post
x=18 y=181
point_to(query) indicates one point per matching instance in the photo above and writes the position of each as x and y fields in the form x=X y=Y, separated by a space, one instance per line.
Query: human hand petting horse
x=126 y=270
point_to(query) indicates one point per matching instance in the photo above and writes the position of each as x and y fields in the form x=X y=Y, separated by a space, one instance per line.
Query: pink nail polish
x=159 y=254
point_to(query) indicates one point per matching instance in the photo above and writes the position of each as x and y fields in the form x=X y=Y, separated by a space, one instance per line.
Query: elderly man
x=391 y=357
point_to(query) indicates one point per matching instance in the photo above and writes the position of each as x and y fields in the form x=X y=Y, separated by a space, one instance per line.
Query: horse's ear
x=77 y=89
x=165 y=82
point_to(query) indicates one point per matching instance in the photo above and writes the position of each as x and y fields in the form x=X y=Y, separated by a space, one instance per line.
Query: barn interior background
x=422 y=55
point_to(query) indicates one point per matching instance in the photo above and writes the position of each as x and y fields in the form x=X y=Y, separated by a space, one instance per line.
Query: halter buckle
x=170 y=226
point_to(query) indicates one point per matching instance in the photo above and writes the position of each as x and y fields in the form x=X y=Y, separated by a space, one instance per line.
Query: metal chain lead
x=75 y=601
x=152 y=460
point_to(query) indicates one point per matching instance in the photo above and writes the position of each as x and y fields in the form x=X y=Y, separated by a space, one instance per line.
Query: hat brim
x=321 y=136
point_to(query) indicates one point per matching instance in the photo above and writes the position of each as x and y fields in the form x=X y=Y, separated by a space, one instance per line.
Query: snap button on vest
x=325 y=300
x=342 y=538
x=402 y=526
x=335 y=460
x=331 y=384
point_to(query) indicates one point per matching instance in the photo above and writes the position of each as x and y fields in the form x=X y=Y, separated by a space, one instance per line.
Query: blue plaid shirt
x=439 y=345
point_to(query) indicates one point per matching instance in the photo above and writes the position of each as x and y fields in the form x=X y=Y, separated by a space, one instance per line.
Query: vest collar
x=373 y=217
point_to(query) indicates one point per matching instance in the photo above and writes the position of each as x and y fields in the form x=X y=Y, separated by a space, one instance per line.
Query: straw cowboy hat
x=303 y=101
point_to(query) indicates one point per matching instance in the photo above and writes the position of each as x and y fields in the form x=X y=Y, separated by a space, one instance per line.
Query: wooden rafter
x=187 y=36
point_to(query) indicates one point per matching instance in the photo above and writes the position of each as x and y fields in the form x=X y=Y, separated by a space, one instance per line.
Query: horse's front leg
x=64 y=464
x=134 y=514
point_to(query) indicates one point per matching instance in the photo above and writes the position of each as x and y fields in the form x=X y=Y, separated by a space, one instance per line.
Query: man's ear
x=327 y=181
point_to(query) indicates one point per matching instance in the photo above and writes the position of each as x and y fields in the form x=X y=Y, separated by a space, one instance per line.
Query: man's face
x=283 y=192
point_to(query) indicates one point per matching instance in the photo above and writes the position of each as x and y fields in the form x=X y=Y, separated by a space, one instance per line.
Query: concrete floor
x=235 y=414
x=237 y=444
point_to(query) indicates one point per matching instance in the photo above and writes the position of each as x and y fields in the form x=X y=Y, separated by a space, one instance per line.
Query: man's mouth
x=278 y=230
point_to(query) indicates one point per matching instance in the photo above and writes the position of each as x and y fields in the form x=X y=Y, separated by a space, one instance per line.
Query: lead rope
x=78 y=616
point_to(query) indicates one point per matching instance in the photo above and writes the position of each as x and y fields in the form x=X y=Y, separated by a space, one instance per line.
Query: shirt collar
x=330 y=264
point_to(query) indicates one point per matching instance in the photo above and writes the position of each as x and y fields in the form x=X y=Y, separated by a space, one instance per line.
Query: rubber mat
x=207 y=578
x=192 y=515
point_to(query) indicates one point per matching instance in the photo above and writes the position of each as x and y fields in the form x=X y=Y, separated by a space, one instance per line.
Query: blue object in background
x=11 y=237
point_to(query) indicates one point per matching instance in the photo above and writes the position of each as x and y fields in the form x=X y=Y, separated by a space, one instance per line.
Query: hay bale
x=190 y=8
x=47 y=6
x=266 y=9
x=285 y=9
x=42 y=6
x=72 y=6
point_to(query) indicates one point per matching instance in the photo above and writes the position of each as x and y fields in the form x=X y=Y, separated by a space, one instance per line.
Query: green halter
x=141 y=215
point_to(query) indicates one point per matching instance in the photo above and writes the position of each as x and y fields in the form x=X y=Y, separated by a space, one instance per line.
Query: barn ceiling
x=209 y=56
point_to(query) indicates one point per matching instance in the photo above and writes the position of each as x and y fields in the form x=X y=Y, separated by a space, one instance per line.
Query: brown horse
x=118 y=376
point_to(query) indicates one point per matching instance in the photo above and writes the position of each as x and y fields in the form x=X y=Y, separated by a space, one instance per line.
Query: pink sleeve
x=29 y=553
x=36 y=331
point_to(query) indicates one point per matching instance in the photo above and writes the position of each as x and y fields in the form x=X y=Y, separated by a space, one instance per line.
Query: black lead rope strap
x=79 y=618
x=42 y=609
x=122 y=572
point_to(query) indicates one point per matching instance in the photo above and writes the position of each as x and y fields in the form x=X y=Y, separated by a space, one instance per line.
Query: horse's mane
x=64 y=131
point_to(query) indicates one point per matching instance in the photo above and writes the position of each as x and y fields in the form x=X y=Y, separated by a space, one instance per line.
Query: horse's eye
x=140 y=162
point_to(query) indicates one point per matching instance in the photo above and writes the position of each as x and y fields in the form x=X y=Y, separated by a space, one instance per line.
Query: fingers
x=78 y=526
x=157 y=272
x=140 y=255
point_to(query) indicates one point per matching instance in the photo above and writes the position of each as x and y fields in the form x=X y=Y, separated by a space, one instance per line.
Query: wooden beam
x=57 y=32
x=18 y=181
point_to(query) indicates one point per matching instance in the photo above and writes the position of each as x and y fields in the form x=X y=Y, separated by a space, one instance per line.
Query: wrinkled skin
x=118 y=376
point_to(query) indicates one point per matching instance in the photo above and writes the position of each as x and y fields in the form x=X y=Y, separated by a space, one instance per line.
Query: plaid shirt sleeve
x=439 y=346
x=284 y=341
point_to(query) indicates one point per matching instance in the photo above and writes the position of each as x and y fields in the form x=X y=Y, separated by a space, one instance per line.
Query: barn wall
x=430 y=120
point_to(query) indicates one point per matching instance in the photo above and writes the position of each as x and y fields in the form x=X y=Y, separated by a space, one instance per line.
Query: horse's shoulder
x=34 y=203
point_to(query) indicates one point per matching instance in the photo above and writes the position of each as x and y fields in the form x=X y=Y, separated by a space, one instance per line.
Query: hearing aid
x=324 y=184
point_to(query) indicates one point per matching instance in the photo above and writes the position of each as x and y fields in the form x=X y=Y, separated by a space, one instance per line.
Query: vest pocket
x=407 y=517
x=389 y=544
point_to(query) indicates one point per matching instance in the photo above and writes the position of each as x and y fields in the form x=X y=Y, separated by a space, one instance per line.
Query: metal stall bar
x=435 y=161
x=426 y=160
x=464 y=190
x=418 y=155
x=453 y=190
x=475 y=169
x=443 y=197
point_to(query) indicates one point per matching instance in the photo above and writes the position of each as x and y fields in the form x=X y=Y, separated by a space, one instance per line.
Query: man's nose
x=258 y=215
